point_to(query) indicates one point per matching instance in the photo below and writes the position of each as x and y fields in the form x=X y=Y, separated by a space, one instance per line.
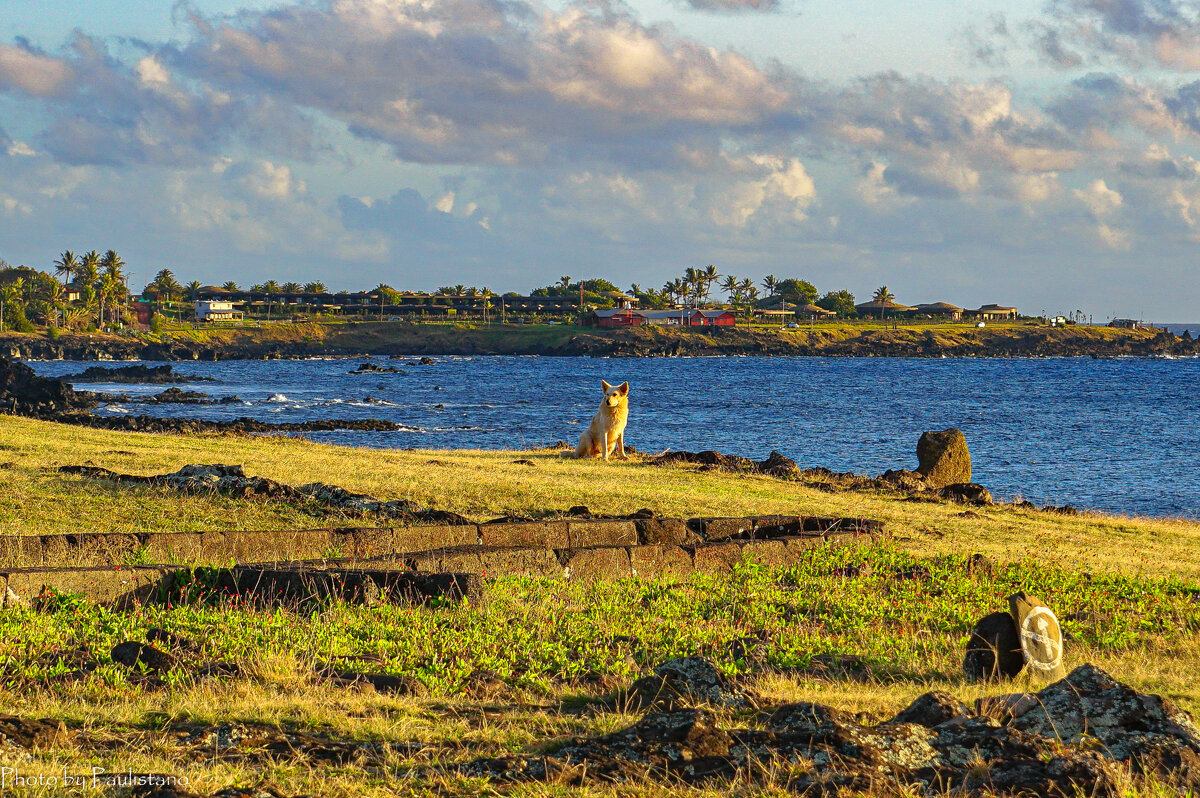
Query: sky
x=1037 y=153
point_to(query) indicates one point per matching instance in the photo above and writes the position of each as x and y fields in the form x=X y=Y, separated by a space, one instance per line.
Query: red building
x=689 y=317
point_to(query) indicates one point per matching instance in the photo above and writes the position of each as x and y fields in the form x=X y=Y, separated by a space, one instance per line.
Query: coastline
x=300 y=341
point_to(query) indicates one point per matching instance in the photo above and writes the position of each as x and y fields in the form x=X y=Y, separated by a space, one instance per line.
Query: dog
x=607 y=431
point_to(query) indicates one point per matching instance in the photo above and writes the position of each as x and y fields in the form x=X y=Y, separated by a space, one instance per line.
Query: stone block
x=535 y=562
x=716 y=557
x=674 y=531
x=721 y=528
x=23 y=551
x=590 y=565
x=660 y=560
x=583 y=534
x=118 y=586
x=422 y=538
x=550 y=534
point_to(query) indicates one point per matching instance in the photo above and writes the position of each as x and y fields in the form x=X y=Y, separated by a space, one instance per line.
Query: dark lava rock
x=776 y=465
x=967 y=492
x=931 y=709
x=1074 y=742
x=32 y=734
x=944 y=458
x=1090 y=704
x=131 y=653
x=24 y=393
x=994 y=649
x=139 y=374
x=177 y=396
x=169 y=640
x=382 y=682
x=903 y=479
x=837 y=666
x=371 y=368
x=685 y=682
x=907 y=573
x=979 y=565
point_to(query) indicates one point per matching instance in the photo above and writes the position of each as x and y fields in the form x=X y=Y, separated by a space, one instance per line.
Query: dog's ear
x=605 y=386
x=623 y=388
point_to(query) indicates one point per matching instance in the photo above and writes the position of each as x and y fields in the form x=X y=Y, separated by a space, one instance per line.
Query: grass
x=523 y=668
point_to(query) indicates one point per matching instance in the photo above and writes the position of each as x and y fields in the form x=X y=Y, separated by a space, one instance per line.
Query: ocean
x=1113 y=435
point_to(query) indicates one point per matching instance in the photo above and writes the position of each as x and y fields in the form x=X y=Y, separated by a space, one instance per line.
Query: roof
x=995 y=307
x=937 y=306
x=876 y=305
x=810 y=308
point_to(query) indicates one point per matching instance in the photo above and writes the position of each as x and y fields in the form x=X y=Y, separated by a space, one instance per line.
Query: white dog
x=607 y=432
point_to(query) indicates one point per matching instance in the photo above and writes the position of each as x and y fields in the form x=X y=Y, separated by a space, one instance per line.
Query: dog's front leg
x=621 y=446
x=607 y=446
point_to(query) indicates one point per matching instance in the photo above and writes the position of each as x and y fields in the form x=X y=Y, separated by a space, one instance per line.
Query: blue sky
x=1042 y=154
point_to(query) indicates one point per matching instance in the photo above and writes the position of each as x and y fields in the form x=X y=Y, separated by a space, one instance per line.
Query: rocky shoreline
x=359 y=339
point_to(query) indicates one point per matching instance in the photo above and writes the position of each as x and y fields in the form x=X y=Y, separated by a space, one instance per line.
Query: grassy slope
x=390 y=337
x=541 y=636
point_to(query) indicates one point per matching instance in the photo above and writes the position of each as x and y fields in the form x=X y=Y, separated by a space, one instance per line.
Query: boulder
x=994 y=649
x=967 y=492
x=131 y=653
x=685 y=682
x=903 y=479
x=23 y=393
x=1089 y=704
x=943 y=457
x=931 y=709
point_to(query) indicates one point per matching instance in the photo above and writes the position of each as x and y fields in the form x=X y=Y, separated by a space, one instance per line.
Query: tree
x=66 y=265
x=109 y=288
x=840 y=302
x=801 y=292
x=732 y=287
x=112 y=264
x=564 y=283
x=883 y=296
x=230 y=286
x=88 y=271
x=271 y=287
x=193 y=290
x=291 y=288
x=769 y=284
x=315 y=287
x=710 y=276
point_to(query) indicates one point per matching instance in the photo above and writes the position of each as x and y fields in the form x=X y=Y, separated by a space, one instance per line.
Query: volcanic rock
x=688 y=681
x=1091 y=705
x=24 y=393
x=944 y=458
x=139 y=374
x=131 y=653
x=967 y=492
x=994 y=649
x=931 y=709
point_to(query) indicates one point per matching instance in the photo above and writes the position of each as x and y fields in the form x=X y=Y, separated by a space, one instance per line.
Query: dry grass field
x=528 y=666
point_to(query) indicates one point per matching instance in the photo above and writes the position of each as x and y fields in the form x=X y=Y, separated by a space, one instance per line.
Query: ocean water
x=1120 y=435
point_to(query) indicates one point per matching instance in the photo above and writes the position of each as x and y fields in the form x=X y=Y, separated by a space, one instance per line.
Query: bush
x=156 y=323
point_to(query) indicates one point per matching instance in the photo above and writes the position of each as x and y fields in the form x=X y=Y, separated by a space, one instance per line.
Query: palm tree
x=709 y=275
x=291 y=288
x=564 y=283
x=883 y=296
x=230 y=286
x=193 y=290
x=88 y=271
x=270 y=287
x=315 y=287
x=770 y=284
x=109 y=288
x=732 y=287
x=112 y=264
x=66 y=265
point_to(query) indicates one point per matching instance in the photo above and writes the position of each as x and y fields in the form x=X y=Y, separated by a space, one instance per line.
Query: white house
x=216 y=310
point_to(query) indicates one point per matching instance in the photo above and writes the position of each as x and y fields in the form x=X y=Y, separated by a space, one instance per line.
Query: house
x=1128 y=324
x=813 y=312
x=943 y=310
x=216 y=310
x=689 y=317
x=992 y=312
x=877 y=309
x=616 y=317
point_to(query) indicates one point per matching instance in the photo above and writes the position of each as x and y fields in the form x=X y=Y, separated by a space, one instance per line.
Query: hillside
x=387 y=338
